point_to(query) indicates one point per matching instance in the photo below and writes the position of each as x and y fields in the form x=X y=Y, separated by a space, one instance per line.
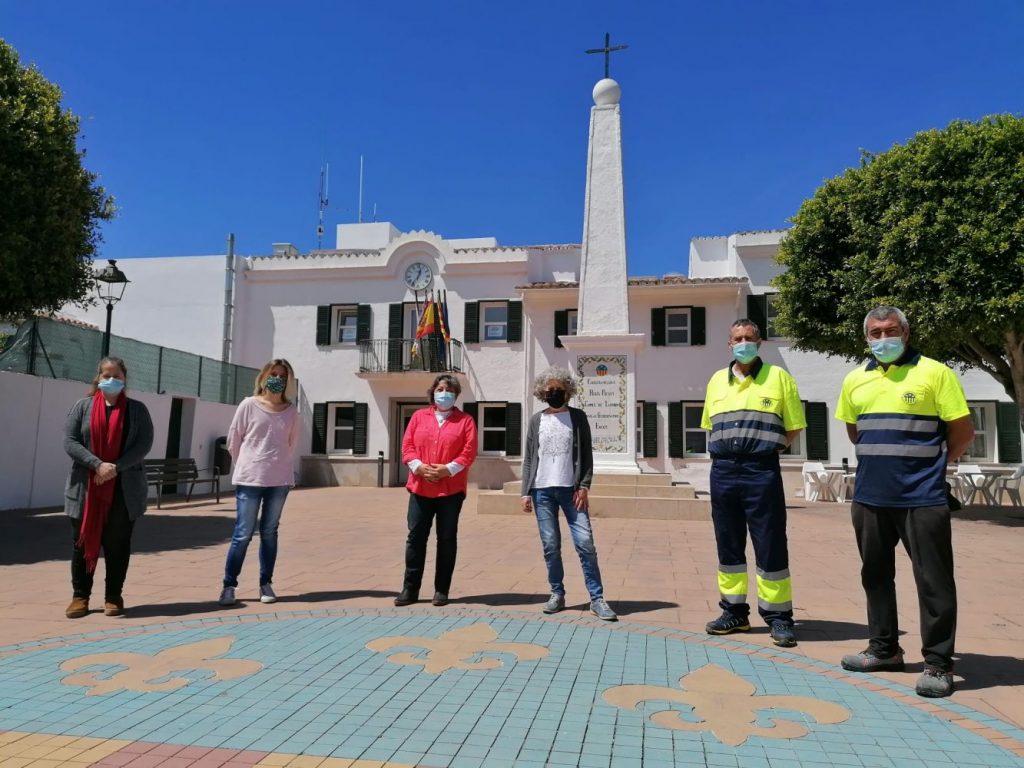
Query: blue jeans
x=248 y=499
x=546 y=502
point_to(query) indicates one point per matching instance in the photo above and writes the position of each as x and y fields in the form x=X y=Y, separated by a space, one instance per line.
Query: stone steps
x=651 y=497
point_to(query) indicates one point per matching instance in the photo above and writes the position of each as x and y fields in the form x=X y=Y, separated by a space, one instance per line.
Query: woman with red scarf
x=107 y=437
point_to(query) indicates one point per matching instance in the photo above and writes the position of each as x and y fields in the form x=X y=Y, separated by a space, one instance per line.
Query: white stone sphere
x=607 y=92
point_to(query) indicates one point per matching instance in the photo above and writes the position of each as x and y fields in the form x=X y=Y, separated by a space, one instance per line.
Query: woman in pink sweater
x=439 y=446
x=261 y=442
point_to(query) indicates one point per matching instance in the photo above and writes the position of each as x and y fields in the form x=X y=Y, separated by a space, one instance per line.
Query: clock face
x=418 y=276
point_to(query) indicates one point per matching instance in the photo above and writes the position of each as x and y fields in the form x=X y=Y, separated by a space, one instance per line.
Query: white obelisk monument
x=603 y=353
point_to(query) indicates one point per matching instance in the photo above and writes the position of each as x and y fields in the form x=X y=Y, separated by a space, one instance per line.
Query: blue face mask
x=887 y=350
x=744 y=351
x=444 y=400
x=110 y=386
x=275 y=384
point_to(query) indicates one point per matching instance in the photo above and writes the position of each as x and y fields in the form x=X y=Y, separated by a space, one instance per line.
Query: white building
x=345 y=319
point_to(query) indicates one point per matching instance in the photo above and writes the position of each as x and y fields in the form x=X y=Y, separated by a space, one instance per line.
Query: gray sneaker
x=934 y=683
x=867 y=661
x=267 y=594
x=227 y=596
x=555 y=603
x=602 y=610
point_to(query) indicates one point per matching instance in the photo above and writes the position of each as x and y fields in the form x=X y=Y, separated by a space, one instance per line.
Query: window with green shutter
x=319 y=428
x=513 y=429
x=364 y=322
x=1008 y=432
x=395 y=328
x=360 y=413
x=817 y=431
x=678 y=326
x=757 y=310
x=515 y=323
x=676 y=445
x=650 y=429
x=471 y=328
x=323 y=325
x=561 y=325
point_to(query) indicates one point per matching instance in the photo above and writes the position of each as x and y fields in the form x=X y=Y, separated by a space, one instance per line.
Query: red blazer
x=453 y=440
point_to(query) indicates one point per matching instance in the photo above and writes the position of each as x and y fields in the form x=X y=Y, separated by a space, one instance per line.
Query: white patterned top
x=554 y=452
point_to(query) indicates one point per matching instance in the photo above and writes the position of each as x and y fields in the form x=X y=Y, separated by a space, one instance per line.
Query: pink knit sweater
x=262 y=444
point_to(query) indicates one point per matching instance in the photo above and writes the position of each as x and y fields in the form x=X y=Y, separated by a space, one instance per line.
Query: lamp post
x=110 y=285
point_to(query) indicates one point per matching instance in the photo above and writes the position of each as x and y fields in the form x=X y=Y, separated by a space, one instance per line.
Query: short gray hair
x=555 y=373
x=884 y=312
x=745 y=322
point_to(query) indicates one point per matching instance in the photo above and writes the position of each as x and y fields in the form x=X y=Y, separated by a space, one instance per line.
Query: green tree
x=934 y=226
x=50 y=205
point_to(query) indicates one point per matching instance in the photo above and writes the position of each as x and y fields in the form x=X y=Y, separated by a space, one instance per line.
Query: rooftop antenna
x=360 y=189
x=325 y=180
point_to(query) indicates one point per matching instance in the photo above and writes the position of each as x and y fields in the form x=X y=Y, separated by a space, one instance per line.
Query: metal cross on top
x=608 y=48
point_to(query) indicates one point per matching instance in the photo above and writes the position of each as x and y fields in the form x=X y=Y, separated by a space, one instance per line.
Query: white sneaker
x=267 y=594
x=227 y=596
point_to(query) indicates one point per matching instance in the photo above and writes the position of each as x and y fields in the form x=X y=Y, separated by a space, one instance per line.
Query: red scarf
x=105 y=444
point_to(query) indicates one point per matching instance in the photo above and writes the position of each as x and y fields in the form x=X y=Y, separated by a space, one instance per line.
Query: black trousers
x=927 y=536
x=422 y=511
x=117 y=549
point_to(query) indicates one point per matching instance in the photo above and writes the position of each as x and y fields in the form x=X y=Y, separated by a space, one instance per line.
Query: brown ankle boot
x=113 y=606
x=78 y=608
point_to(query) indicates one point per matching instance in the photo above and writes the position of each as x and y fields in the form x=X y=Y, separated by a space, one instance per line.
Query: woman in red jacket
x=439 y=446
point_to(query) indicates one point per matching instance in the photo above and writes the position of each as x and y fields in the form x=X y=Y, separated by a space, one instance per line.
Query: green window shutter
x=319 y=428
x=757 y=310
x=561 y=325
x=698 y=323
x=323 y=325
x=471 y=328
x=359 y=438
x=515 y=321
x=1008 y=432
x=470 y=410
x=676 y=443
x=364 y=320
x=817 y=431
x=650 y=416
x=513 y=429
x=395 y=356
x=657 y=326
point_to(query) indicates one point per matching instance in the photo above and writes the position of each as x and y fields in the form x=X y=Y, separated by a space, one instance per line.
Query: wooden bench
x=161 y=472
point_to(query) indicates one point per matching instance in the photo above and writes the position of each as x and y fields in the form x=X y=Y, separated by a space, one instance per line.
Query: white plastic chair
x=969 y=476
x=816 y=486
x=1010 y=485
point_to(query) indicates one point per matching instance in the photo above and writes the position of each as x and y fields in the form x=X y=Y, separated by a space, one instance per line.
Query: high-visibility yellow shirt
x=901 y=414
x=751 y=416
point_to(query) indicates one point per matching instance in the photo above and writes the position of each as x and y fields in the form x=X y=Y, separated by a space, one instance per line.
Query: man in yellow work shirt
x=907 y=415
x=753 y=412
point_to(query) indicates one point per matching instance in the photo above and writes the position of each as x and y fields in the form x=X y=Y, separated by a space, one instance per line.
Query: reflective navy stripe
x=766 y=606
x=759 y=416
x=905 y=425
x=773 y=575
x=748 y=433
x=741 y=568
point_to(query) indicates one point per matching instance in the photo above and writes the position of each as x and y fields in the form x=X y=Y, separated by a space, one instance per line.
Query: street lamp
x=110 y=285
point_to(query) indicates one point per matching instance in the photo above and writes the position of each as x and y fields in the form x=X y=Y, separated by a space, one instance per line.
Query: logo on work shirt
x=909 y=398
x=766 y=402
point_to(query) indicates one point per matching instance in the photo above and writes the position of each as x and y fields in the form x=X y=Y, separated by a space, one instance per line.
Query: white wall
x=35 y=466
x=174 y=302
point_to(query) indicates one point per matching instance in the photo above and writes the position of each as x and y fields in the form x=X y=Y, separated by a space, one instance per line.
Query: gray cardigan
x=130 y=470
x=582 y=451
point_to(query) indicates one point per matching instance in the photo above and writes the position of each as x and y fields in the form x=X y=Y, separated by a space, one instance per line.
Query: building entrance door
x=404 y=412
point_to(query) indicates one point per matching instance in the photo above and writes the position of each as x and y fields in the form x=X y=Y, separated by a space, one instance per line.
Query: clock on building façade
x=418 y=276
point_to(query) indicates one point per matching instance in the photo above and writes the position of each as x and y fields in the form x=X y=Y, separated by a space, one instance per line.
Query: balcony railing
x=409 y=356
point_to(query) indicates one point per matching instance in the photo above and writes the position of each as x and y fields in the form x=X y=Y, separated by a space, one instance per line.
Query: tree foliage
x=935 y=227
x=50 y=205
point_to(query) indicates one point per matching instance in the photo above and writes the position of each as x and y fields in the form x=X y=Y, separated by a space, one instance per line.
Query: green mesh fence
x=44 y=347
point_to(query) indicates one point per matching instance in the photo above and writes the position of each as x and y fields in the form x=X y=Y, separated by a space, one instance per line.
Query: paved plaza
x=334 y=676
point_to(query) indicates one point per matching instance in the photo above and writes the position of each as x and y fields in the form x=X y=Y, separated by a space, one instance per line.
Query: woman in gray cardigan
x=558 y=464
x=107 y=437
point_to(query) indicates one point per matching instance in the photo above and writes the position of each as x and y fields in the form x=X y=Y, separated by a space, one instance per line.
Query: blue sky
x=204 y=118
